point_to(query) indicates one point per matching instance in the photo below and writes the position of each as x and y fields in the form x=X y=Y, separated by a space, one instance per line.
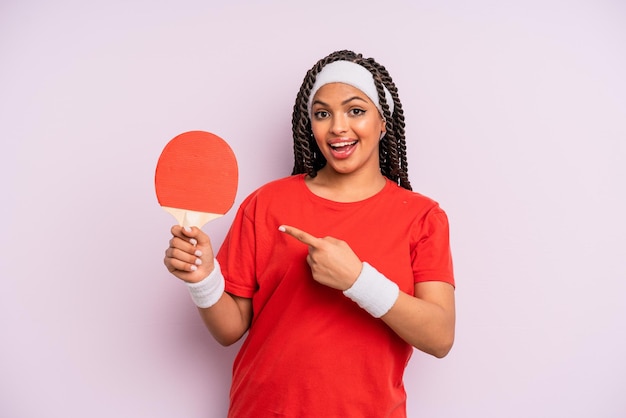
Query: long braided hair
x=307 y=156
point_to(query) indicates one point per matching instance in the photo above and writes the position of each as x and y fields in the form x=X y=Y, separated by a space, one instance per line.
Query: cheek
x=318 y=138
x=319 y=132
x=368 y=128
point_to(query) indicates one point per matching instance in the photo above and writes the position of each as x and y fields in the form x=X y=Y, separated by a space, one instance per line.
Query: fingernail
x=282 y=228
x=198 y=253
x=193 y=268
x=188 y=229
x=198 y=261
x=193 y=241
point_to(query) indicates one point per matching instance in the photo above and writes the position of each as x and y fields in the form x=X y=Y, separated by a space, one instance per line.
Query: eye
x=357 y=112
x=320 y=114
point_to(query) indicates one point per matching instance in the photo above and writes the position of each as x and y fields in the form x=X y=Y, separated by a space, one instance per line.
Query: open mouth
x=343 y=149
x=342 y=145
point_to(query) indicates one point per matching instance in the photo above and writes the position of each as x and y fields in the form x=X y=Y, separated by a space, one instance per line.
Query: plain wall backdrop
x=516 y=124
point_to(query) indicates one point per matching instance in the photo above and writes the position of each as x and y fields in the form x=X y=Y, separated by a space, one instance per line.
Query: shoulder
x=277 y=187
x=422 y=212
x=285 y=183
x=274 y=191
x=415 y=201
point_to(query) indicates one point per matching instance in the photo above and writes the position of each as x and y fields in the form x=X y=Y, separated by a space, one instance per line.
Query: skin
x=344 y=114
x=340 y=114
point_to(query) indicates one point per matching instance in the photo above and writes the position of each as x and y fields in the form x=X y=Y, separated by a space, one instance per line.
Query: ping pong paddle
x=196 y=178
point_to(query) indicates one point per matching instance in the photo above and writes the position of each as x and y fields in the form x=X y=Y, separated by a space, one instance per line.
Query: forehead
x=339 y=92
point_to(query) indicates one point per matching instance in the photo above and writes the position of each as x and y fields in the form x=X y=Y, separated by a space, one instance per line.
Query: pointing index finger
x=300 y=235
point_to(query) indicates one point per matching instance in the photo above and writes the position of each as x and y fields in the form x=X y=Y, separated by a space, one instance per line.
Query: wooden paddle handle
x=190 y=217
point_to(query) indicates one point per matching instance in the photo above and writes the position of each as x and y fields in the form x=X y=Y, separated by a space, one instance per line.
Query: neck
x=351 y=187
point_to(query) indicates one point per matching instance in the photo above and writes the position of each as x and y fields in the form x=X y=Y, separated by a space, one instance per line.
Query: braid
x=393 y=160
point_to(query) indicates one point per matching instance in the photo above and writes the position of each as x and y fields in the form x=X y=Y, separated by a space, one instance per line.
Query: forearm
x=227 y=320
x=425 y=320
x=426 y=325
x=225 y=315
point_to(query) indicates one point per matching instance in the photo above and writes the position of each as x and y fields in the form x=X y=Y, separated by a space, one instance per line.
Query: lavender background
x=516 y=124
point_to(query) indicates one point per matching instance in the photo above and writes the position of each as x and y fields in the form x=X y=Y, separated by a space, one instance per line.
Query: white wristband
x=208 y=291
x=373 y=292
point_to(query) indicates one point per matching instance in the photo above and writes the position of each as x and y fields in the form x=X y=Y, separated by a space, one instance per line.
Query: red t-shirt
x=311 y=351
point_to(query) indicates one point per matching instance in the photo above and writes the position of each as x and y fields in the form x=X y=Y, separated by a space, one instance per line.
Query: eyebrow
x=342 y=103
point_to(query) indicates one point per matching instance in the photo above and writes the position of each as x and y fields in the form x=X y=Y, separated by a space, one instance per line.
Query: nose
x=339 y=124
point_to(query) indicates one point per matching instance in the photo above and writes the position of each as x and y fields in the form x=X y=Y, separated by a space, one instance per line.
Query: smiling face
x=347 y=128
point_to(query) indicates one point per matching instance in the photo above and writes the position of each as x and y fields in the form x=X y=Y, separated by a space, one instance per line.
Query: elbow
x=225 y=336
x=442 y=351
x=442 y=347
x=443 y=341
x=226 y=340
x=225 y=343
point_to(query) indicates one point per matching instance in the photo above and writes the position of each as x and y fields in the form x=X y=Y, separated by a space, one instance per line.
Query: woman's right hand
x=190 y=254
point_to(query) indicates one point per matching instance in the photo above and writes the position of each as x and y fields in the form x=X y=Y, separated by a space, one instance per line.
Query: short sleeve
x=237 y=253
x=431 y=254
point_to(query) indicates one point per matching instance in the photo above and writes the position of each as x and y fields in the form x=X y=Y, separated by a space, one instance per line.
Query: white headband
x=351 y=73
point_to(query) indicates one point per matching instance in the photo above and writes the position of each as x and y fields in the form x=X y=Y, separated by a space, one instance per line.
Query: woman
x=337 y=271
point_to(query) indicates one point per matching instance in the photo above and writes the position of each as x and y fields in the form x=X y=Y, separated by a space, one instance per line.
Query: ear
x=383 y=129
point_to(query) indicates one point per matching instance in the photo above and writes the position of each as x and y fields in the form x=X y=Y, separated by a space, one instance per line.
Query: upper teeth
x=342 y=144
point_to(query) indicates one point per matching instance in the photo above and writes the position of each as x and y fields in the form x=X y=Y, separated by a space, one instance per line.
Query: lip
x=342 y=148
x=339 y=140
